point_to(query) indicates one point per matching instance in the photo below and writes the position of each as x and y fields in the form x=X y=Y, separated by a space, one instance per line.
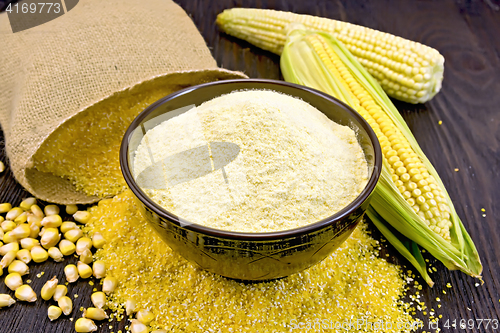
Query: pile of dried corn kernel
x=77 y=149
x=30 y=234
x=350 y=285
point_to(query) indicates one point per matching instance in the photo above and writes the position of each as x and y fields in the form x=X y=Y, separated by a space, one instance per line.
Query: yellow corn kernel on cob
x=406 y=70
x=410 y=197
x=408 y=173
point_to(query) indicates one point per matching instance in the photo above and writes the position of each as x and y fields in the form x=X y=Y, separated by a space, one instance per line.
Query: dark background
x=466 y=33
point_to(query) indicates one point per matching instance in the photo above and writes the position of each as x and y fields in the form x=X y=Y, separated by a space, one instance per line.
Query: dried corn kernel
x=21 y=231
x=109 y=284
x=98 y=240
x=13 y=281
x=66 y=304
x=13 y=213
x=34 y=230
x=95 y=314
x=8 y=237
x=74 y=235
x=61 y=291
x=67 y=247
x=51 y=210
x=98 y=299
x=81 y=216
x=99 y=269
x=84 y=270
x=130 y=307
x=8 y=258
x=9 y=247
x=67 y=226
x=86 y=257
x=50 y=237
x=54 y=312
x=83 y=244
x=37 y=211
x=55 y=254
x=25 y=293
x=71 y=273
x=33 y=219
x=17 y=266
x=23 y=217
x=39 y=254
x=137 y=327
x=145 y=316
x=49 y=288
x=29 y=243
x=52 y=221
x=27 y=203
x=24 y=255
x=71 y=209
x=6 y=300
x=5 y=207
x=85 y=325
x=8 y=225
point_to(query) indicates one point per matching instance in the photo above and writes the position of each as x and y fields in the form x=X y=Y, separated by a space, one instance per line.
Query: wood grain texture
x=466 y=33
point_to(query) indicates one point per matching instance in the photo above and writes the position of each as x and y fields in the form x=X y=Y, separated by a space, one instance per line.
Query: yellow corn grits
x=86 y=148
x=351 y=285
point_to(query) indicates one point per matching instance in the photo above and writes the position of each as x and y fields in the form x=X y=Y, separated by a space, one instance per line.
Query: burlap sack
x=51 y=72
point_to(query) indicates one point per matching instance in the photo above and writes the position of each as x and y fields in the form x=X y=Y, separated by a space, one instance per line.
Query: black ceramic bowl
x=252 y=256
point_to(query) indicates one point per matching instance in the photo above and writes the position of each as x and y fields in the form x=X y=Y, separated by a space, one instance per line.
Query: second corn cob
x=410 y=197
x=406 y=70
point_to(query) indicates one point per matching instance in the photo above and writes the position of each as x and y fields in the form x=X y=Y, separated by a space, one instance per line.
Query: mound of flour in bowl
x=251 y=161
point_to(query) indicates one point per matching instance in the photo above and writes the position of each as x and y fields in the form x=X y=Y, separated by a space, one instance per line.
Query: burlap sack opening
x=52 y=72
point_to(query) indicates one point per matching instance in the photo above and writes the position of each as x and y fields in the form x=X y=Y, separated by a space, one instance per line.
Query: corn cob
x=410 y=199
x=406 y=70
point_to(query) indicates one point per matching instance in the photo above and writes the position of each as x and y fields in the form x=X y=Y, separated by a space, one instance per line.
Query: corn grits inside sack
x=67 y=98
x=85 y=149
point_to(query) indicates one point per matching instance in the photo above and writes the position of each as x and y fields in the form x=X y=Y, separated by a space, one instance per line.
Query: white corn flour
x=285 y=164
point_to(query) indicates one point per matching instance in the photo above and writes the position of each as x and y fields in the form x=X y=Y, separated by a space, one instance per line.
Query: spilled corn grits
x=286 y=164
x=86 y=148
x=353 y=283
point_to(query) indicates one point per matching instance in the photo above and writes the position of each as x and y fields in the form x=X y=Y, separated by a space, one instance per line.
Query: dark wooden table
x=466 y=33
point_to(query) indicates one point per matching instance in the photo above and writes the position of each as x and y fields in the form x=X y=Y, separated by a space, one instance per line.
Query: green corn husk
x=403 y=245
x=389 y=211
